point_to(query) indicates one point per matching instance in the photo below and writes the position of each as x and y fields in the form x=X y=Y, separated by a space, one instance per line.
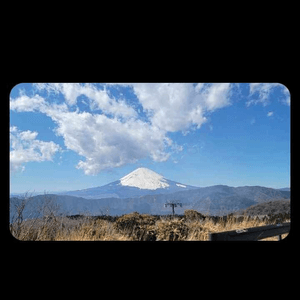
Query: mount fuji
x=140 y=182
x=145 y=191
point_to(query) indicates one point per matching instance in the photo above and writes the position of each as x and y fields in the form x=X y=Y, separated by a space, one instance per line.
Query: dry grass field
x=193 y=226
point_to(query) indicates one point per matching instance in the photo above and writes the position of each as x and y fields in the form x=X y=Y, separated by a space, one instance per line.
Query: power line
x=173 y=204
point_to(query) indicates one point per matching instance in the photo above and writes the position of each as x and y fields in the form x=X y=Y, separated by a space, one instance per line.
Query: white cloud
x=107 y=143
x=177 y=106
x=70 y=90
x=217 y=96
x=25 y=103
x=103 y=141
x=98 y=99
x=263 y=91
x=287 y=99
x=36 y=103
x=116 y=136
x=13 y=129
x=25 y=148
x=270 y=113
x=28 y=135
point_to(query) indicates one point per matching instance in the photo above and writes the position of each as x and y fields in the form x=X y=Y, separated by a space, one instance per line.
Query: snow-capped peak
x=144 y=178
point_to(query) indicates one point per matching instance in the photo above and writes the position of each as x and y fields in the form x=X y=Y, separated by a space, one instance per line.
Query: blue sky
x=68 y=136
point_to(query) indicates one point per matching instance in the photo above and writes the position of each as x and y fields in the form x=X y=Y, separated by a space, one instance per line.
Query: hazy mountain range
x=145 y=191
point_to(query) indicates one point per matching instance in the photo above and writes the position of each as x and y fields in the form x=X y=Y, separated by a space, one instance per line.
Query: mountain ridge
x=140 y=182
x=145 y=191
x=213 y=200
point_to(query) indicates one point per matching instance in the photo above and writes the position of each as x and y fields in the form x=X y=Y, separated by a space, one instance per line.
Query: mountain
x=140 y=182
x=268 y=208
x=286 y=189
x=145 y=191
x=213 y=200
x=144 y=178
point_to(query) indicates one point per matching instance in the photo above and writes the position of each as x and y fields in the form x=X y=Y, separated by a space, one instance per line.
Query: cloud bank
x=112 y=133
x=177 y=106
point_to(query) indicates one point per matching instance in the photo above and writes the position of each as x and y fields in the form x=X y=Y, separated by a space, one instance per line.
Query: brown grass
x=193 y=226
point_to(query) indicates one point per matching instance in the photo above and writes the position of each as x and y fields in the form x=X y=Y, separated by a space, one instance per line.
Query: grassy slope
x=191 y=227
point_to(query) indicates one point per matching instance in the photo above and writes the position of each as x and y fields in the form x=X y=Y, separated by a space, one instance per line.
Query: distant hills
x=145 y=191
x=287 y=189
x=213 y=200
x=268 y=208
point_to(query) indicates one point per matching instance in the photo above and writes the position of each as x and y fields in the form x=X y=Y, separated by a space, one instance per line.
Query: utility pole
x=173 y=204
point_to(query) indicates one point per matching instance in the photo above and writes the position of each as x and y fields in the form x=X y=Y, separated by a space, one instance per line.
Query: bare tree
x=41 y=214
x=49 y=207
x=18 y=208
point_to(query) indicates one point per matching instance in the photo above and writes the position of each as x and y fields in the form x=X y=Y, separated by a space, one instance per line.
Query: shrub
x=171 y=230
x=139 y=226
x=192 y=215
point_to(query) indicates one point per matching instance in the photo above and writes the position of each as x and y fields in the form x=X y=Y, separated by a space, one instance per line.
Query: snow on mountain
x=181 y=185
x=144 y=178
x=139 y=182
x=145 y=191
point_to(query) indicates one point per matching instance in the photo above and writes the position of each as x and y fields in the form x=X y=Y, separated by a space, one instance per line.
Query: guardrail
x=251 y=234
